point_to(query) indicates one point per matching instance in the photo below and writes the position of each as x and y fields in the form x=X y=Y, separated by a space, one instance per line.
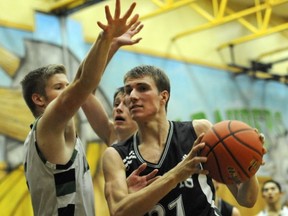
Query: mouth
x=119 y=118
x=134 y=107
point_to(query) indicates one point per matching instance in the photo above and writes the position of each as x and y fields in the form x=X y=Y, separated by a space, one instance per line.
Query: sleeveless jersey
x=58 y=189
x=225 y=208
x=193 y=197
x=284 y=212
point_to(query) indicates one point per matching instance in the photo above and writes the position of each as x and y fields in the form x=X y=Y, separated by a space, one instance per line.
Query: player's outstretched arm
x=93 y=109
x=61 y=110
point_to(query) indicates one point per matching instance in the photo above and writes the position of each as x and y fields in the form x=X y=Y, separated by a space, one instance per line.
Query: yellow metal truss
x=222 y=14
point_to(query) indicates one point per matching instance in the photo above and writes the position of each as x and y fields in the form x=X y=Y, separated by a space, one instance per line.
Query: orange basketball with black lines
x=234 y=151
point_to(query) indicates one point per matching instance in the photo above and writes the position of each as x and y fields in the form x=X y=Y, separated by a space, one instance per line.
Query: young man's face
x=55 y=86
x=121 y=115
x=271 y=193
x=142 y=98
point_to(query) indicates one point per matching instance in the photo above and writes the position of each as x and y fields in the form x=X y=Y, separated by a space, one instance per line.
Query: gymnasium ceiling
x=270 y=17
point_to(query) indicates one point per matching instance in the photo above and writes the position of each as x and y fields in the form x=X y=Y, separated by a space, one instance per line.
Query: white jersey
x=284 y=212
x=58 y=189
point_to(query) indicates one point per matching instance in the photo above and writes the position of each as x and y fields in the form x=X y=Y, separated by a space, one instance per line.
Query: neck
x=275 y=207
x=122 y=136
x=154 y=132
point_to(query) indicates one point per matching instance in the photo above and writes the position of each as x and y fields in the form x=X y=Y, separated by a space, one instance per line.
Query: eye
x=142 y=88
x=127 y=90
x=58 y=87
x=116 y=104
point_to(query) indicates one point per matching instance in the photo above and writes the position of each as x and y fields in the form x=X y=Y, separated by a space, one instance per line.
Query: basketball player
x=115 y=131
x=56 y=169
x=224 y=207
x=122 y=126
x=272 y=194
x=183 y=188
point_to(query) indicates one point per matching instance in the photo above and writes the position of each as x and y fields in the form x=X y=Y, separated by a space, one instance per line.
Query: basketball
x=234 y=151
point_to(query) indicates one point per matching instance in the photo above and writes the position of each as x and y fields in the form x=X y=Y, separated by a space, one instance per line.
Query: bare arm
x=93 y=109
x=246 y=193
x=60 y=111
x=99 y=120
x=121 y=202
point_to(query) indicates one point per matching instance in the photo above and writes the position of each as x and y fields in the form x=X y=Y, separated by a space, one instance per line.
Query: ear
x=164 y=96
x=38 y=100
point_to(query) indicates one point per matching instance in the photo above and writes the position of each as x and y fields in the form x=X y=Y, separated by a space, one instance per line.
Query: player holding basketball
x=183 y=188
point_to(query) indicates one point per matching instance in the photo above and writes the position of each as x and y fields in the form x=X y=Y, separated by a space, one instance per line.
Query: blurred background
x=226 y=59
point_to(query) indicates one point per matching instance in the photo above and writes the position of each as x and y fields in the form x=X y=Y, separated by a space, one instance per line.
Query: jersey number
x=177 y=203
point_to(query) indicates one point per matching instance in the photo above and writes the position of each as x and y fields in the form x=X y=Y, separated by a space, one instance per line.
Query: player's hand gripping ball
x=234 y=151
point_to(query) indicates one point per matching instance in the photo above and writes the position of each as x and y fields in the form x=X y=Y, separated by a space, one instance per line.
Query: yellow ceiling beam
x=244 y=22
x=257 y=35
x=258 y=14
x=202 y=12
x=209 y=17
x=49 y=6
x=159 y=3
x=219 y=21
x=231 y=17
x=167 y=8
x=222 y=9
x=263 y=55
x=63 y=4
x=267 y=17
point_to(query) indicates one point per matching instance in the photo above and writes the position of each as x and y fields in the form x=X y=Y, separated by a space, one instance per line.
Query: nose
x=133 y=95
x=119 y=108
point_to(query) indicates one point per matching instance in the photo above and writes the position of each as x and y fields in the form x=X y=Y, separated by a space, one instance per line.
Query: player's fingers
x=196 y=149
x=264 y=150
x=199 y=139
x=203 y=172
x=133 y=27
x=140 y=168
x=130 y=10
x=199 y=160
x=262 y=137
x=136 y=40
x=138 y=29
x=117 y=10
x=151 y=174
x=108 y=14
x=133 y=20
x=102 y=26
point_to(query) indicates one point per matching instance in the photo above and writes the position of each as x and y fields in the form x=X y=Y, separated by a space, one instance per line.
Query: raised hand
x=135 y=182
x=126 y=38
x=117 y=25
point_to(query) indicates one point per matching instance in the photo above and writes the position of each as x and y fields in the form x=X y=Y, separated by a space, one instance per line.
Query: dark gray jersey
x=195 y=196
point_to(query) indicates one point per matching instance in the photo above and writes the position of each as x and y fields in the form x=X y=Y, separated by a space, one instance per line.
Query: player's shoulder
x=201 y=125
